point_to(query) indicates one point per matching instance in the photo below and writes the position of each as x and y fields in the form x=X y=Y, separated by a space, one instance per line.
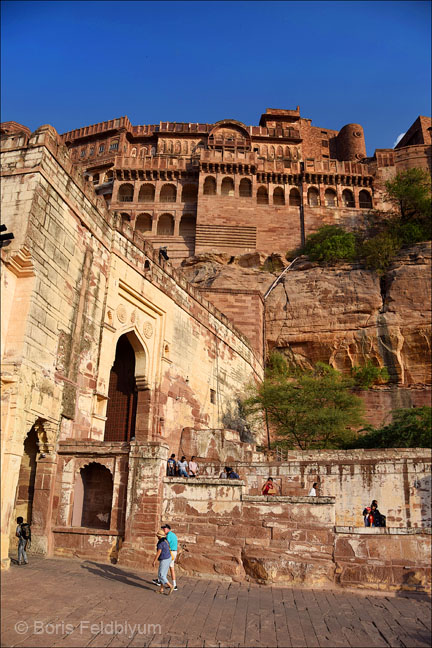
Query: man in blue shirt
x=173 y=545
x=231 y=474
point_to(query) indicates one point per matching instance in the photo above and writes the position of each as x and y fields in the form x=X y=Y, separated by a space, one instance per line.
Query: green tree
x=368 y=375
x=379 y=251
x=331 y=244
x=410 y=191
x=306 y=409
x=410 y=428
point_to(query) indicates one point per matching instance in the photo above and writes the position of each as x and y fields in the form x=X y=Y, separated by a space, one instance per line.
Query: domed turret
x=351 y=143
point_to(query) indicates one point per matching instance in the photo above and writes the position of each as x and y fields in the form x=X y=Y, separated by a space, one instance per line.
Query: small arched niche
x=262 y=196
x=348 y=198
x=165 y=226
x=313 y=197
x=278 y=196
x=146 y=193
x=143 y=223
x=227 y=188
x=209 y=186
x=125 y=193
x=245 y=188
x=330 y=198
x=168 y=193
x=365 y=199
x=294 y=198
x=93 y=494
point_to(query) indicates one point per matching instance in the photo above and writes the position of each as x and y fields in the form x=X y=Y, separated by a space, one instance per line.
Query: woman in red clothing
x=269 y=487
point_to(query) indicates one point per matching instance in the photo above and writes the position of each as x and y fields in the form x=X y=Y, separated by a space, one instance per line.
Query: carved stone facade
x=111 y=359
x=107 y=351
x=233 y=188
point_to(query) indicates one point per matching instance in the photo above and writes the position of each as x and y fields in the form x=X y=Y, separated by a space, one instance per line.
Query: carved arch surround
x=226 y=127
x=141 y=350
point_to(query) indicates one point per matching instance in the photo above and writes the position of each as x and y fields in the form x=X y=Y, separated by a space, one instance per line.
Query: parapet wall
x=398 y=478
x=224 y=533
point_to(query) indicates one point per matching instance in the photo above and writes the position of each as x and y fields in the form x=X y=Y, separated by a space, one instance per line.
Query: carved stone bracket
x=21 y=263
x=142 y=383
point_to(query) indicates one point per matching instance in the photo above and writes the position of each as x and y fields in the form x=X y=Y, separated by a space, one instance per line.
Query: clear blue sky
x=71 y=64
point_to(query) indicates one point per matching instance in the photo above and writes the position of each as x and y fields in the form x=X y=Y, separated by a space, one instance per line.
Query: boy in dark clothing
x=171 y=466
x=23 y=533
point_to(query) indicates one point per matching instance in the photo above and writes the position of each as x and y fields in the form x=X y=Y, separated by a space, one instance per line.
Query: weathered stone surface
x=265 y=565
x=344 y=315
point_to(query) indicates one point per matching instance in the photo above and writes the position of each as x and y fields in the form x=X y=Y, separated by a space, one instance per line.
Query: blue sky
x=71 y=64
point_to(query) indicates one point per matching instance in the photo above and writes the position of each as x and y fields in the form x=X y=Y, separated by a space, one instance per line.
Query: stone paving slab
x=57 y=603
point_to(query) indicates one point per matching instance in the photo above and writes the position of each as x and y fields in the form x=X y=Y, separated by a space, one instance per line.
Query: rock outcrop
x=343 y=315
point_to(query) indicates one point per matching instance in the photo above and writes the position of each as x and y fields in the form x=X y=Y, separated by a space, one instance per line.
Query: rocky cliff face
x=342 y=315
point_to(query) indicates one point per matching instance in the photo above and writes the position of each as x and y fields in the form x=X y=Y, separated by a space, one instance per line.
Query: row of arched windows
x=313 y=196
x=168 y=193
x=165 y=224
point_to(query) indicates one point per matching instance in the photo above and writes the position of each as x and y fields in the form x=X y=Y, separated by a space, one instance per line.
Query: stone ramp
x=58 y=602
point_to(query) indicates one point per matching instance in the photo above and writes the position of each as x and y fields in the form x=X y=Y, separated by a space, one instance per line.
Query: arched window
x=348 y=198
x=272 y=153
x=122 y=394
x=209 y=186
x=125 y=193
x=185 y=148
x=189 y=193
x=143 y=223
x=165 y=226
x=227 y=188
x=288 y=152
x=187 y=225
x=134 y=152
x=278 y=196
x=365 y=199
x=125 y=217
x=262 y=196
x=168 y=193
x=97 y=490
x=245 y=188
x=313 y=197
x=264 y=151
x=169 y=147
x=177 y=147
x=144 y=151
x=294 y=198
x=146 y=193
x=279 y=152
x=330 y=198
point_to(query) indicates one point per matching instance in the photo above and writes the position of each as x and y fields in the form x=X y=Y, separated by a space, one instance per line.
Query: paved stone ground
x=56 y=602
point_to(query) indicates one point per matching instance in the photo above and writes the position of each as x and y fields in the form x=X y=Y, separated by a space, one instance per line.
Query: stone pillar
x=136 y=186
x=322 y=189
x=219 y=183
x=339 y=195
x=119 y=494
x=143 y=421
x=46 y=471
x=177 y=220
x=147 y=467
x=154 y=224
x=236 y=185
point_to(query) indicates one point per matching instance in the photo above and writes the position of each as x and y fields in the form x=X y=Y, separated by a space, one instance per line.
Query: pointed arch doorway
x=129 y=402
